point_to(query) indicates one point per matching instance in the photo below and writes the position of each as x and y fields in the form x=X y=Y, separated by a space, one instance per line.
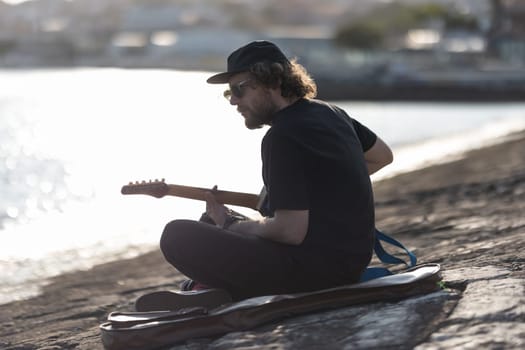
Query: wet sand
x=466 y=213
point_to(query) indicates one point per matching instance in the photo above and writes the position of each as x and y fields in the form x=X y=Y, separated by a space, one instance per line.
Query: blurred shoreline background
x=467 y=50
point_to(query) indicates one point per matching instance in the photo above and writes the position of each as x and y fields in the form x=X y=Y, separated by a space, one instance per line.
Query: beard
x=261 y=113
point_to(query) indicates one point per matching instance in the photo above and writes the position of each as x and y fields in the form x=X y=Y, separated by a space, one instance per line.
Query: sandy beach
x=467 y=215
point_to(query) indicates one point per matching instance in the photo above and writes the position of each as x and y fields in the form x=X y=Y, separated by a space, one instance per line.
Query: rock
x=489 y=315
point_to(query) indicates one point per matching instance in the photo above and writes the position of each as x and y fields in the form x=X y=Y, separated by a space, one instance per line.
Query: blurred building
x=507 y=33
x=199 y=34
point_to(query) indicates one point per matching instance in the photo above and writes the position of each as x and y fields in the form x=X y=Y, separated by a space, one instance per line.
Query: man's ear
x=276 y=87
x=275 y=92
x=278 y=84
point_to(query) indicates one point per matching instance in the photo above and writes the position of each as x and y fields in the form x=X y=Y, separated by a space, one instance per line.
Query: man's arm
x=286 y=226
x=378 y=156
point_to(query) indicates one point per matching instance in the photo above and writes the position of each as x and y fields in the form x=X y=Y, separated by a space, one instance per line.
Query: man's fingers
x=208 y=195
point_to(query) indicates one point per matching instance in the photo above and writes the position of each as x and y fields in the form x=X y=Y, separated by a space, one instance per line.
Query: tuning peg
x=130 y=183
x=163 y=180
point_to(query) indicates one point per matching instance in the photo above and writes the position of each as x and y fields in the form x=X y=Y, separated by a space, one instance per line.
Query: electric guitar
x=160 y=189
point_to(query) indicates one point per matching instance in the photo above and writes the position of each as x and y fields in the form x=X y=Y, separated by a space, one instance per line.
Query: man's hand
x=215 y=210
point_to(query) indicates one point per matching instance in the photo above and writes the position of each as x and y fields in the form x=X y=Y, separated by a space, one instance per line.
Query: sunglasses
x=236 y=90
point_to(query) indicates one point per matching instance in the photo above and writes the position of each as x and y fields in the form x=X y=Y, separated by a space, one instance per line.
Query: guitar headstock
x=155 y=188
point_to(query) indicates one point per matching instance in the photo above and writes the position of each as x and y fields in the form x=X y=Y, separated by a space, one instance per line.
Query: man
x=318 y=231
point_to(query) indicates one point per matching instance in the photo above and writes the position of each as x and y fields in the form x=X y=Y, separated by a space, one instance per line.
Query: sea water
x=70 y=139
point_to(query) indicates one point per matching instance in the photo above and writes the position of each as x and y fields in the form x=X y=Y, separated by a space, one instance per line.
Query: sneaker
x=188 y=285
x=176 y=300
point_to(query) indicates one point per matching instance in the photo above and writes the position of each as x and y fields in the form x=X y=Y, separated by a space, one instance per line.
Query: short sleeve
x=366 y=137
x=285 y=173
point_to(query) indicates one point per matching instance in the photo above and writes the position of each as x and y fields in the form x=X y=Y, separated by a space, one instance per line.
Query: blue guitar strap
x=387 y=258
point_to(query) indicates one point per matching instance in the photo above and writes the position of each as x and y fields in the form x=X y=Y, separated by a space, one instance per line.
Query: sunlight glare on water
x=109 y=127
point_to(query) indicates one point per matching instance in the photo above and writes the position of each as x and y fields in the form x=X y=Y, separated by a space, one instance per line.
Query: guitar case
x=151 y=330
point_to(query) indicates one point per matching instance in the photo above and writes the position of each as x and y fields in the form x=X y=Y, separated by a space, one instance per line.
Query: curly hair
x=293 y=78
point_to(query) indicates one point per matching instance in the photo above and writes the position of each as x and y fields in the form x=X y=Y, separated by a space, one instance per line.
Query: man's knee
x=176 y=240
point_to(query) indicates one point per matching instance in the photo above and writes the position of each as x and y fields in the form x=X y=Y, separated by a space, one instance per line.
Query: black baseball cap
x=243 y=58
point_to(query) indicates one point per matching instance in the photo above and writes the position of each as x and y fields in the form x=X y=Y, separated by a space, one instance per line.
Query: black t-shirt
x=313 y=158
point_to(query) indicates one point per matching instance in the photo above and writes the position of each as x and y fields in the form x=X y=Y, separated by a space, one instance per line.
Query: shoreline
x=463 y=214
x=363 y=89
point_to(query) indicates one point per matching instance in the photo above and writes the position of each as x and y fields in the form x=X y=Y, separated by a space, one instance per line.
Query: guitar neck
x=241 y=199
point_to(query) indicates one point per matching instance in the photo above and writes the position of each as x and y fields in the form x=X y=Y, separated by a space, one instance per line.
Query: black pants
x=245 y=265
